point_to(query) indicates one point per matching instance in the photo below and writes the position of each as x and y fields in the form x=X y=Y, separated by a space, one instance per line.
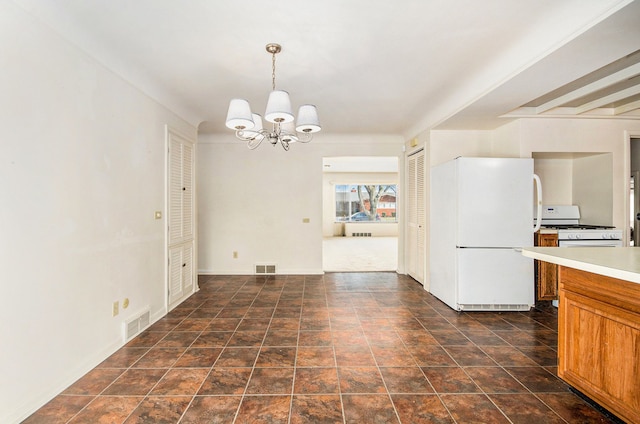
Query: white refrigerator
x=481 y=215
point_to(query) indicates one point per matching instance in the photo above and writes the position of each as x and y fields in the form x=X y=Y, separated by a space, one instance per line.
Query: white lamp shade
x=257 y=126
x=279 y=107
x=288 y=132
x=308 y=121
x=239 y=115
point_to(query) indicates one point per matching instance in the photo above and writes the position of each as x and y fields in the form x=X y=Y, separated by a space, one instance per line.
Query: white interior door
x=416 y=216
x=180 y=232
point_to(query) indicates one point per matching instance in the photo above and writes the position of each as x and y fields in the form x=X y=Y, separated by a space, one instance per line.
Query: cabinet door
x=180 y=272
x=176 y=274
x=598 y=350
x=187 y=268
x=546 y=273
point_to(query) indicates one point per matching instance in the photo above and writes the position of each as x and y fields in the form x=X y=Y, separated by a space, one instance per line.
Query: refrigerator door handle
x=539 y=204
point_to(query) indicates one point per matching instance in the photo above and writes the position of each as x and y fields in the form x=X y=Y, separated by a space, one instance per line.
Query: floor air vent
x=360 y=234
x=135 y=325
x=265 y=269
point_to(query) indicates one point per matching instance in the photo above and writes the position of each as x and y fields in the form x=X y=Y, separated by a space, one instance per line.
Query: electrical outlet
x=125 y=303
x=116 y=308
x=235 y=255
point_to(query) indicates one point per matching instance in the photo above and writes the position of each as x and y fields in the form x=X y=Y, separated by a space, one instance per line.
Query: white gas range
x=571 y=233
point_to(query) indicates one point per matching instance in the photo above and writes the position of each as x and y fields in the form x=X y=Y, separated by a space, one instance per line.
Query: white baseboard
x=311 y=271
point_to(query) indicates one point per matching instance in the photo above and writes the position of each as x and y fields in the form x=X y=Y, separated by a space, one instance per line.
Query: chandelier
x=248 y=125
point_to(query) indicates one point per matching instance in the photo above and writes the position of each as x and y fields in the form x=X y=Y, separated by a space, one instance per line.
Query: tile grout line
x=438 y=394
x=222 y=348
x=244 y=393
x=499 y=365
x=520 y=347
x=131 y=367
x=193 y=398
x=295 y=361
x=335 y=359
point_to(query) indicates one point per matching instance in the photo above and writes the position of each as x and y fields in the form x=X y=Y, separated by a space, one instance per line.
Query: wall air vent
x=133 y=326
x=360 y=234
x=265 y=269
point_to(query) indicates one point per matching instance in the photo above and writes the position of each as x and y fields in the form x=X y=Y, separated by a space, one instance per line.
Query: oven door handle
x=538 y=185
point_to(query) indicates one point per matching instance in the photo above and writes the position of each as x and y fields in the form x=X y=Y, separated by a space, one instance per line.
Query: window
x=366 y=202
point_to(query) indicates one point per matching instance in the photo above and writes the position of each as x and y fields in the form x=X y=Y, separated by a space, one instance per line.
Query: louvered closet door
x=412 y=220
x=180 y=191
x=181 y=262
x=416 y=217
x=187 y=192
x=420 y=218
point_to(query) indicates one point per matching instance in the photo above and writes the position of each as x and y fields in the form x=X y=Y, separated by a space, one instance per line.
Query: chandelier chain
x=273 y=71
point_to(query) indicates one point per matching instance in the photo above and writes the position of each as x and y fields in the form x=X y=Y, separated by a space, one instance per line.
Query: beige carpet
x=353 y=254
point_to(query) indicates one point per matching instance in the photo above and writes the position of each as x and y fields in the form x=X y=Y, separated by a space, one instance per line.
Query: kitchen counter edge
x=622 y=263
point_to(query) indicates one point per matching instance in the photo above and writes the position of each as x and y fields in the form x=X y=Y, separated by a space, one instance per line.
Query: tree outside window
x=366 y=202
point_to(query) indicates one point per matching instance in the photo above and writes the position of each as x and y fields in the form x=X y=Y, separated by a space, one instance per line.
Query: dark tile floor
x=339 y=348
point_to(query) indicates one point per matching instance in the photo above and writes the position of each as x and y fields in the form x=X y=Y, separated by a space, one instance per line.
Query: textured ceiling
x=370 y=66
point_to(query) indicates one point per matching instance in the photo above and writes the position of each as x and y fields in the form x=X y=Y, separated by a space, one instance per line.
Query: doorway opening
x=360 y=218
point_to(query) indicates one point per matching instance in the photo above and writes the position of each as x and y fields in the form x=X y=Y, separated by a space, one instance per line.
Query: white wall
x=585 y=135
x=582 y=179
x=556 y=176
x=446 y=145
x=254 y=202
x=592 y=188
x=506 y=140
x=82 y=166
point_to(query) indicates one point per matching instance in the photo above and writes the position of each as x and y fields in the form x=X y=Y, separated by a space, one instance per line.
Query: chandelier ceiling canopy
x=248 y=125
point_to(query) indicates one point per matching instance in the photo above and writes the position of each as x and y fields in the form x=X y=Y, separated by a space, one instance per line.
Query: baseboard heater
x=264 y=269
x=133 y=326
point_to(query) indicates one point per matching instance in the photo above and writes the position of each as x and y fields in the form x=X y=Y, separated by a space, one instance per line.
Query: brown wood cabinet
x=546 y=273
x=599 y=339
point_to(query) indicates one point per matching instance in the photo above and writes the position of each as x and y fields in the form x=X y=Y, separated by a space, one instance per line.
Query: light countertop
x=616 y=262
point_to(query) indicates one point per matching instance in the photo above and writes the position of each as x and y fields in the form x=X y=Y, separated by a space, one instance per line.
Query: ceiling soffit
x=612 y=91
